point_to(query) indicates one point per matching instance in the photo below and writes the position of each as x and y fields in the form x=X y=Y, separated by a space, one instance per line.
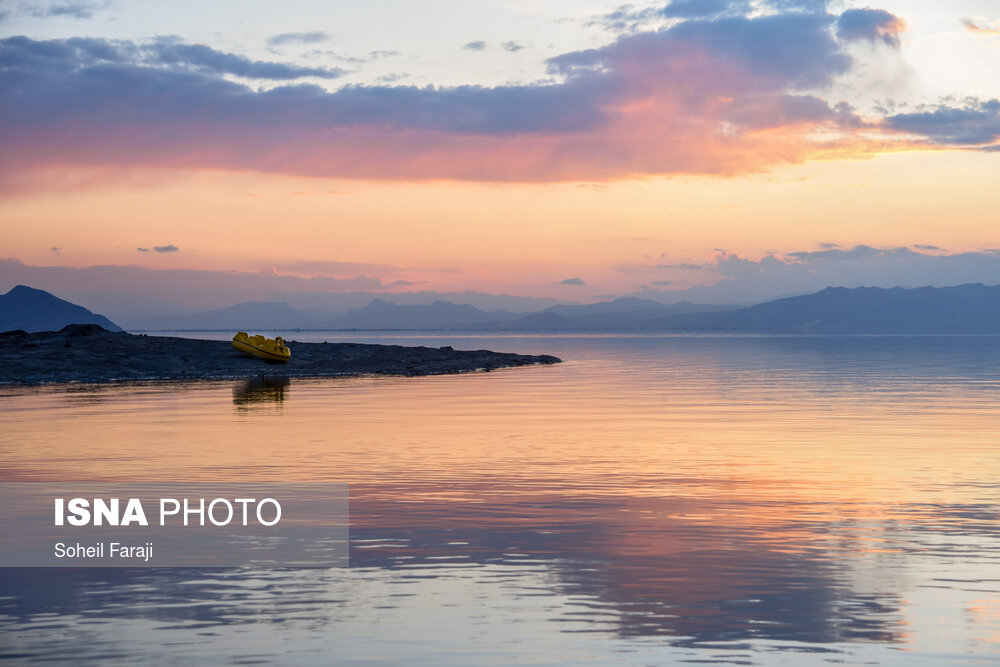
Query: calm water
x=650 y=501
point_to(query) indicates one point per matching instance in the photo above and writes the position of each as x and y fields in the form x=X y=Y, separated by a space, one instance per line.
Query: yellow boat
x=272 y=350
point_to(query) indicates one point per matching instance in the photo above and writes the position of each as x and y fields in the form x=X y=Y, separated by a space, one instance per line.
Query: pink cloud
x=720 y=96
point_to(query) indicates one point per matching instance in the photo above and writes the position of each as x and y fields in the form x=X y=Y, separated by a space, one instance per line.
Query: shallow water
x=754 y=500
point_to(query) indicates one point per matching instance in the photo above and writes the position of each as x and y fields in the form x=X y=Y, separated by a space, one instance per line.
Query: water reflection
x=650 y=501
x=260 y=391
x=696 y=570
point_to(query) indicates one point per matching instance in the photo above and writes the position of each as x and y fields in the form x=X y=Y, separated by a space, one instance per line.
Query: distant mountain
x=623 y=305
x=620 y=314
x=381 y=314
x=965 y=309
x=263 y=315
x=36 y=310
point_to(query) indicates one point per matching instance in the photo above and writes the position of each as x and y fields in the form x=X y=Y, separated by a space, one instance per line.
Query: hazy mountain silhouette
x=36 y=310
x=624 y=313
x=965 y=309
x=380 y=314
x=247 y=315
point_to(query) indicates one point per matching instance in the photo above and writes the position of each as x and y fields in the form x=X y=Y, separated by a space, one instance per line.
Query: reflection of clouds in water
x=688 y=572
x=693 y=569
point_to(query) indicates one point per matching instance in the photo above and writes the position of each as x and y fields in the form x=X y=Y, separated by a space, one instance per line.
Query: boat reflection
x=262 y=390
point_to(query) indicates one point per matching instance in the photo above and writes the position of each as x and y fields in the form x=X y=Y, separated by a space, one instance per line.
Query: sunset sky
x=714 y=150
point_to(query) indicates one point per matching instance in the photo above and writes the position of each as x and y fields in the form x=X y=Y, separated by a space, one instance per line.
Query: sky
x=724 y=151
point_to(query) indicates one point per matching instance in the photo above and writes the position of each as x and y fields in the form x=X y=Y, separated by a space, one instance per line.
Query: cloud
x=512 y=46
x=165 y=248
x=977 y=122
x=628 y=18
x=872 y=25
x=857 y=252
x=75 y=10
x=56 y=249
x=975 y=28
x=328 y=268
x=154 y=67
x=625 y=18
x=743 y=280
x=572 y=281
x=298 y=38
x=174 y=53
x=661 y=283
x=703 y=8
x=918 y=246
x=477 y=45
x=686 y=266
x=731 y=94
x=140 y=249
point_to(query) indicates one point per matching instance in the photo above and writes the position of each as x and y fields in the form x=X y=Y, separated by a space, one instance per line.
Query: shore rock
x=97 y=355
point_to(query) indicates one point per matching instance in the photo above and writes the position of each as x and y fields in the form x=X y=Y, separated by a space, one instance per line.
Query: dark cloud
x=769 y=53
x=477 y=45
x=978 y=122
x=112 y=63
x=572 y=281
x=100 y=82
x=298 y=38
x=165 y=248
x=919 y=246
x=827 y=246
x=512 y=46
x=56 y=249
x=872 y=25
x=142 y=249
x=662 y=283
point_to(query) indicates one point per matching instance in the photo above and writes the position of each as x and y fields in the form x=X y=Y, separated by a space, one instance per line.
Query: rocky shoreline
x=89 y=354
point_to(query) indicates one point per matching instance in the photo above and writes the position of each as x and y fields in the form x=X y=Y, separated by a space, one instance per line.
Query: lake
x=652 y=500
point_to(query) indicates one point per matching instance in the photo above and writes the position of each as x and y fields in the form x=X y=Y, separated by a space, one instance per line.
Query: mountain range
x=36 y=310
x=964 y=309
